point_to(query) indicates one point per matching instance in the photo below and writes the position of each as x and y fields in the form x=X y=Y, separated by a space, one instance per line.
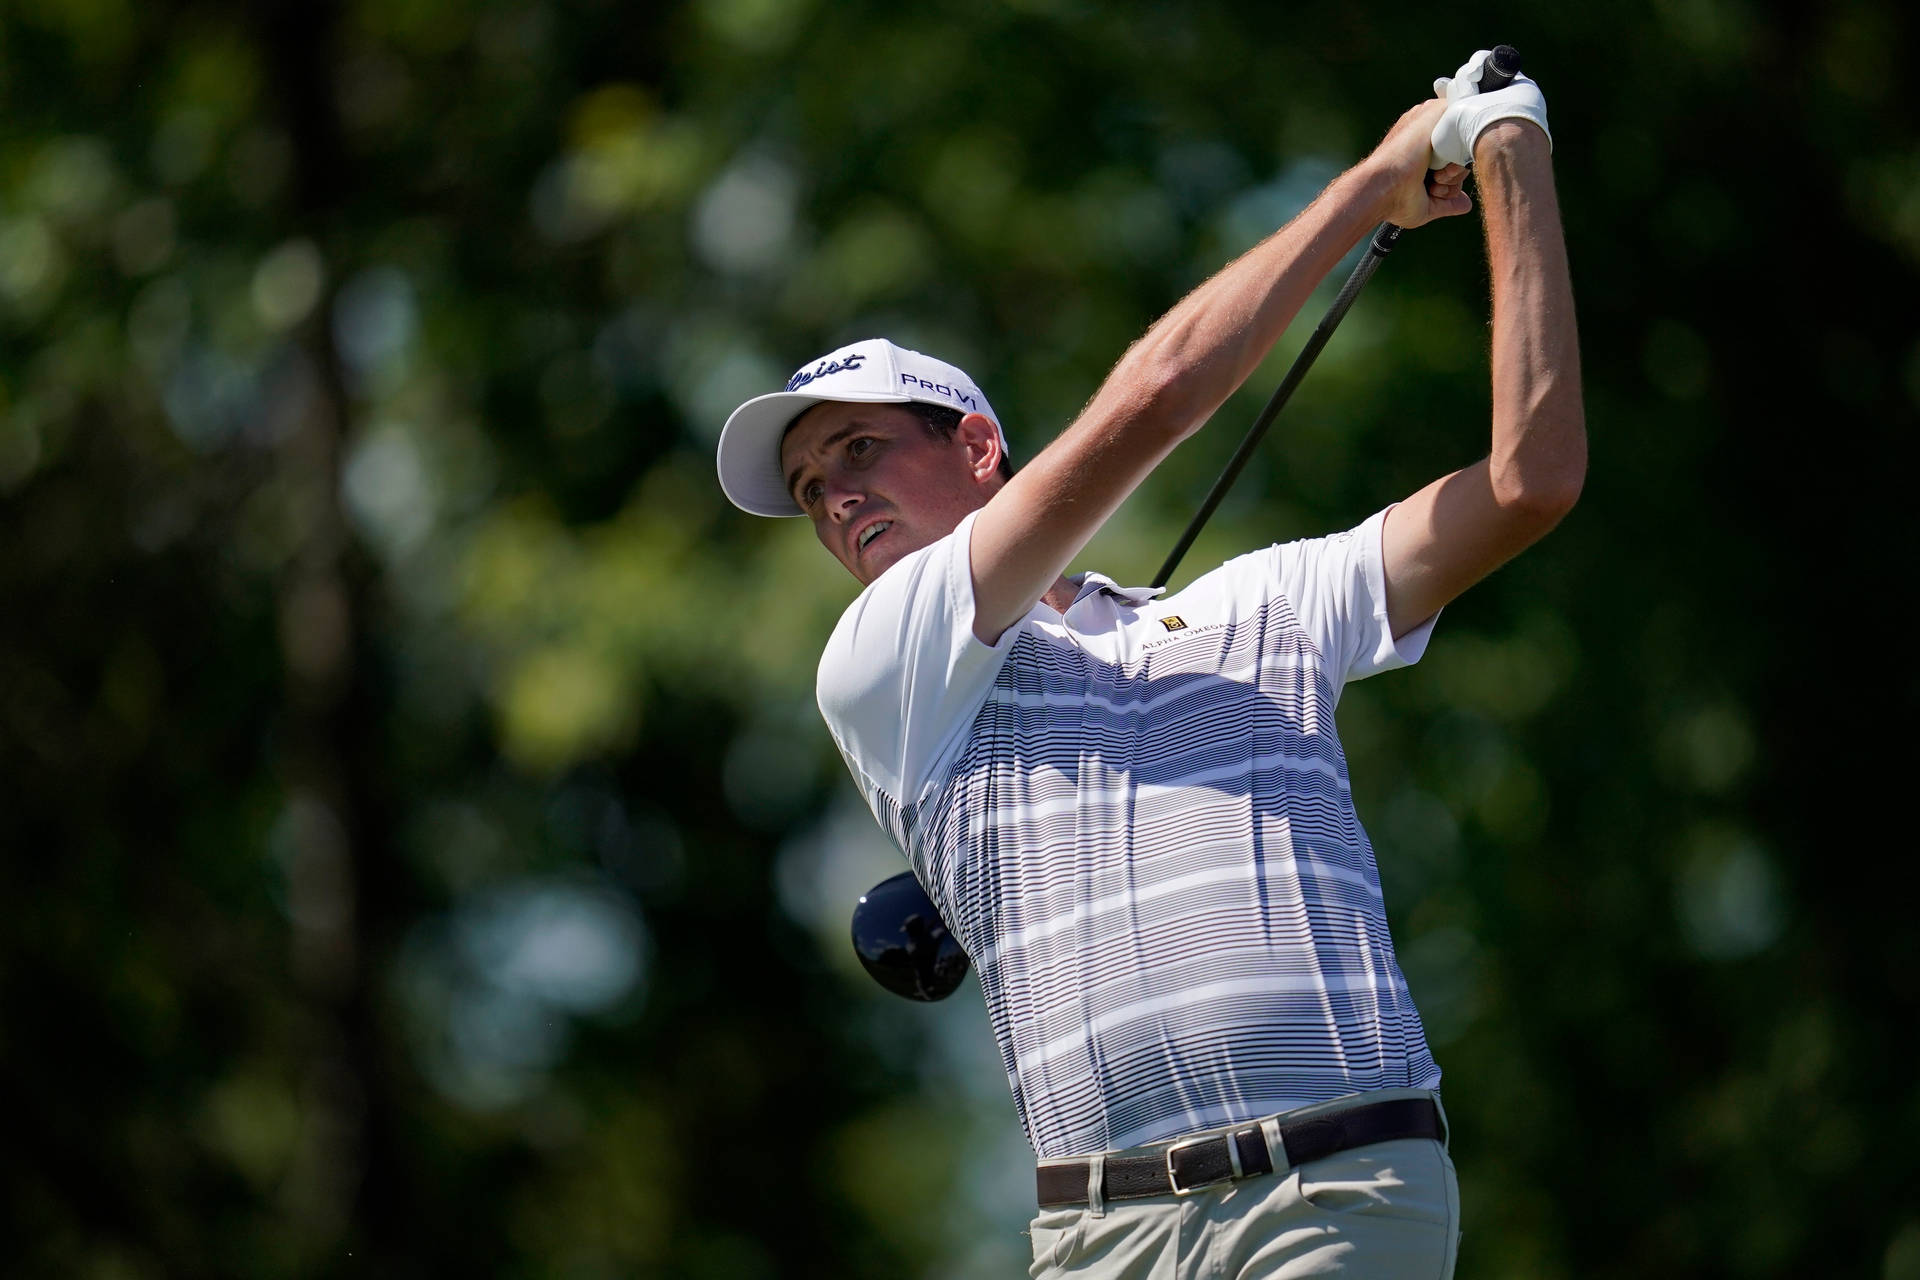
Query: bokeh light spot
x=287 y=283
x=563 y=703
x=388 y=489
x=744 y=221
x=374 y=318
x=1728 y=894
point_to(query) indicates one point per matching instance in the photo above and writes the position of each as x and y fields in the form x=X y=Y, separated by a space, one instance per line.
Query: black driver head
x=901 y=939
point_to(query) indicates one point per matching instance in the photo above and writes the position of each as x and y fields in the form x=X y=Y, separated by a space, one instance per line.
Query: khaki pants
x=1386 y=1212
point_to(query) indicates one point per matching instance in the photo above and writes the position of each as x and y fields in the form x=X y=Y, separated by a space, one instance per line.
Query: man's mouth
x=873 y=531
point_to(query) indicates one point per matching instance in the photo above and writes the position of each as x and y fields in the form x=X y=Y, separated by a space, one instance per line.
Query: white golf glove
x=1470 y=111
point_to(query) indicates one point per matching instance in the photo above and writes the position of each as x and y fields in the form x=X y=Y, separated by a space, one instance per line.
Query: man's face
x=877 y=484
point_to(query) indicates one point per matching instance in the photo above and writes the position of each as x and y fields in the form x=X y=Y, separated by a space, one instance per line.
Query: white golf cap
x=873 y=371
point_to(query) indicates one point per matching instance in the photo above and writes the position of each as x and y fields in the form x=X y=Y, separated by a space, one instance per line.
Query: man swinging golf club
x=1134 y=812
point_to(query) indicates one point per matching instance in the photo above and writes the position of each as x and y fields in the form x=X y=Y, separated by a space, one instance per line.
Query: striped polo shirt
x=1137 y=820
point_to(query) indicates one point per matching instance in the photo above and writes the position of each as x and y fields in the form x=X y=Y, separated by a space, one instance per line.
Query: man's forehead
x=814 y=424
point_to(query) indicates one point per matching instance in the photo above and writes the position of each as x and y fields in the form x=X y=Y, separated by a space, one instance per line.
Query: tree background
x=421 y=855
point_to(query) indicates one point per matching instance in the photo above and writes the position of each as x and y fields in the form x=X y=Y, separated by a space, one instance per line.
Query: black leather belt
x=1182 y=1167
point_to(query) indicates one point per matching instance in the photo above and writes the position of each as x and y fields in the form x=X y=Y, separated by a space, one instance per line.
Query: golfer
x=1134 y=811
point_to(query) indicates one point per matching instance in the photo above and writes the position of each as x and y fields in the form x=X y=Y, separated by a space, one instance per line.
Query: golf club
x=898 y=933
x=901 y=939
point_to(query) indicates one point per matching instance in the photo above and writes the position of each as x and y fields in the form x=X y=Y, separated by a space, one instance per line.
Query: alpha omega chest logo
x=1174 y=622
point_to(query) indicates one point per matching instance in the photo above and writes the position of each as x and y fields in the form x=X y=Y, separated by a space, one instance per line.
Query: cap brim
x=749 y=454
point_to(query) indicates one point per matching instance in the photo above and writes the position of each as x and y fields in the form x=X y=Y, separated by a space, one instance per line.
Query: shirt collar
x=1091 y=582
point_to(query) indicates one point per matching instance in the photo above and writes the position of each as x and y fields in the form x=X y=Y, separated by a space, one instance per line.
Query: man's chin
x=880 y=559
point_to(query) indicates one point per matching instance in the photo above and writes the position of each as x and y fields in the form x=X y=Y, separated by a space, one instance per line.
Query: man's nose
x=842 y=498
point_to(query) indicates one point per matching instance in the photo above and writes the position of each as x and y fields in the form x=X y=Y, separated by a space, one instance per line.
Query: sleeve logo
x=1174 y=622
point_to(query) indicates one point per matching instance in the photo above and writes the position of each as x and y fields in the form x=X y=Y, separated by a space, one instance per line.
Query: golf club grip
x=1499 y=70
x=1503 y=64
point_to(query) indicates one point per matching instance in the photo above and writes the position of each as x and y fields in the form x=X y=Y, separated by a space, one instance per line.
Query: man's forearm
x=1539 y=452
x=1211 y=341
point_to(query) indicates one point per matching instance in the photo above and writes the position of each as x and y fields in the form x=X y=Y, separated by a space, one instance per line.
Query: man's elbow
x=1551 y=497
x=1165 y=388
x=1539 y=492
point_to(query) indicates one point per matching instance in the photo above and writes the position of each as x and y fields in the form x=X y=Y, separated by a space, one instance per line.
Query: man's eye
x=809 y=493
x=859 y=445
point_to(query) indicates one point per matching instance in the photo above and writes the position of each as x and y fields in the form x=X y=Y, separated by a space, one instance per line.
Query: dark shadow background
x=420 y=854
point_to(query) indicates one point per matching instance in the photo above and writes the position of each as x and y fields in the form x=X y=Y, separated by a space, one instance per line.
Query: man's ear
x=981 y=439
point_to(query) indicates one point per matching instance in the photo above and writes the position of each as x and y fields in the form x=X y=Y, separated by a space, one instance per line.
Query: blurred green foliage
x=421 y=853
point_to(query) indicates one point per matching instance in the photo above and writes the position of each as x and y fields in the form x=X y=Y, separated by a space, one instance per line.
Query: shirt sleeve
x=903 y=675
x=1338 y=588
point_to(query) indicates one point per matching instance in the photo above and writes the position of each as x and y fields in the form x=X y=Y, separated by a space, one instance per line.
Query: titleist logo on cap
x=852 y=360
x=915 y=387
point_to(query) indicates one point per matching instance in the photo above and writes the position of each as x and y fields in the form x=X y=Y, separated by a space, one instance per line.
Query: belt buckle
x=1233 y=1156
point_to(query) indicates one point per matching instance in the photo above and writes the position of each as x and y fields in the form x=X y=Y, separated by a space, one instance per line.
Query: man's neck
x=1060 y=595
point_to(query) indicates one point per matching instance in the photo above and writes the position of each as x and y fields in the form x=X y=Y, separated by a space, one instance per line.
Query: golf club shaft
x=1377 y=249
x=1499 y=72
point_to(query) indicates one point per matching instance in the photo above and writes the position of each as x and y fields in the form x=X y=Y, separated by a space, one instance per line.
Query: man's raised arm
x=1184 y=368
x=1463 y=526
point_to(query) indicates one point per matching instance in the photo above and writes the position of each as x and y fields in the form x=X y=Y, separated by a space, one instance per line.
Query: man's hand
x=1470 y=113
x=1410 y=196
